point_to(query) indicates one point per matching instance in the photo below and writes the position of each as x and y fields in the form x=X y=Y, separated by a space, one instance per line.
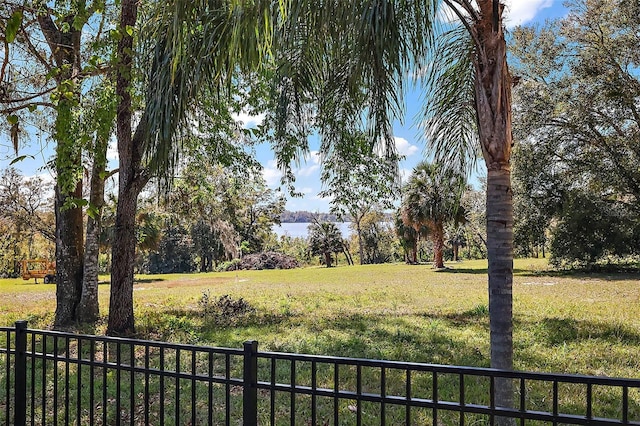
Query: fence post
x=250 y=385
x=20 y=376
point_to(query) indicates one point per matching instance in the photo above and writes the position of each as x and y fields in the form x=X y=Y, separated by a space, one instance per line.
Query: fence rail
x=55 y=378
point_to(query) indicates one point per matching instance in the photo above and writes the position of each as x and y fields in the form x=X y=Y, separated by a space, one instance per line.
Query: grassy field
x=587 y=324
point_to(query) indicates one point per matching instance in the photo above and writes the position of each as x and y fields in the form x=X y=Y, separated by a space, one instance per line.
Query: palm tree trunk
x=121 y=320
x=493 y=105
x=327 y=259
x=500 y=251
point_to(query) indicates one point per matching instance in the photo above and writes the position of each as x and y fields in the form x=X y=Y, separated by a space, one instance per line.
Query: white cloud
x=307 y=171
x=520 y=12
x=271 y=173
x=314 y=161
x=46 y=178
x=306 y=190
x=48 y=182
x=248 y=120
x=404 y=147
x=517 y=12
x=315 y=157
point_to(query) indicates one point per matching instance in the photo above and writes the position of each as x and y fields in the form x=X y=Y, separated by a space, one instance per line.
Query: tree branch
x=28 y=98
x=31 y=48
x=5 y=62
x=21 y=107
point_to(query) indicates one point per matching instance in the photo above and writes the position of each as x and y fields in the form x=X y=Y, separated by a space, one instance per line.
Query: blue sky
x=406 y=135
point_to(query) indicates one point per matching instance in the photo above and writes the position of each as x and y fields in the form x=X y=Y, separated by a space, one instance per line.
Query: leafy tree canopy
x=578 y=122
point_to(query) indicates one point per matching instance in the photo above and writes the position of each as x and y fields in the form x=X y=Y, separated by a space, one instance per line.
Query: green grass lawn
x=587 y=324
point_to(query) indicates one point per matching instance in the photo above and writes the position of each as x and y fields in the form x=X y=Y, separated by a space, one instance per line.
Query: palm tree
x=408 y=237
x=432 y=199
x=469 y=89
x=325 y=239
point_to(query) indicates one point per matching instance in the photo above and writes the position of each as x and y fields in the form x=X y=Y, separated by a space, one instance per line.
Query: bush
x=229 y=265
x=590 y=230
x=225 y=310
x=268 y=260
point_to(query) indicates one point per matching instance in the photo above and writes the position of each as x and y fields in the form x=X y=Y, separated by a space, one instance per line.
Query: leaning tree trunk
x=131 y=181
x=493 y=103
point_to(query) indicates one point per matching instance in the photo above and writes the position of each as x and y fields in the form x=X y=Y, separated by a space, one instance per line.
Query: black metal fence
x=53 y=378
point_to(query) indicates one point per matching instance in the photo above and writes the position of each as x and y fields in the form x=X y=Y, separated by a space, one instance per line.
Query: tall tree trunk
x=121 y=320
x=438 y=245
x=69 y=232
x=88 y=309
x=500 y=251
x=69 y=256
x=358 y=218
x=493 y=104
x=456 y=249
x=131 y=181
x=64 y=45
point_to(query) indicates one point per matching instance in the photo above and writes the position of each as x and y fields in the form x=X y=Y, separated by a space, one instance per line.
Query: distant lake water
x=300 y=229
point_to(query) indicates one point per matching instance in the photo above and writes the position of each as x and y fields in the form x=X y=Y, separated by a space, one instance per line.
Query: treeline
x=307 y=217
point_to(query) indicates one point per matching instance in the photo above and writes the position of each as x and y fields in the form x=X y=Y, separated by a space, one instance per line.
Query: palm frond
x=194 y=49
x=350 y=61
x=449 y=118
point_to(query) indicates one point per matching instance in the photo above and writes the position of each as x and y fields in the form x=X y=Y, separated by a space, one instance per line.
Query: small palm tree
x=432 y=199
x=324 y=239
x=408 y=239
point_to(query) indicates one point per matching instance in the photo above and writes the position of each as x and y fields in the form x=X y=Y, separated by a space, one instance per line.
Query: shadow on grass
x=584 y=275
x=557 y=331
x=613 y=275
x=193 y=326
x=439 y=338
x=475 y=271
x=147 y=280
